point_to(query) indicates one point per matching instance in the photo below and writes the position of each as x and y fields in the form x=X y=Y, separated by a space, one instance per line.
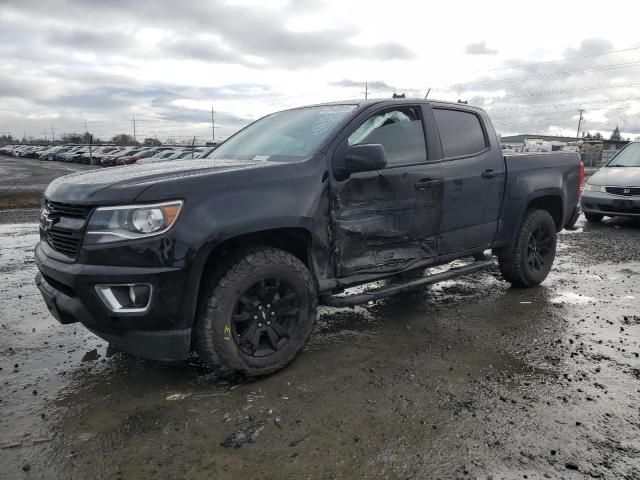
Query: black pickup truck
x=231 y=255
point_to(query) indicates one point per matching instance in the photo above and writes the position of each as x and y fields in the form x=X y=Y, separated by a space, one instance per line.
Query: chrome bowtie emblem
x=626 y=191
x=47 y=221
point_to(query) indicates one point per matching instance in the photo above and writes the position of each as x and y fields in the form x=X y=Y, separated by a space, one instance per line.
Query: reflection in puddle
x=573 y=298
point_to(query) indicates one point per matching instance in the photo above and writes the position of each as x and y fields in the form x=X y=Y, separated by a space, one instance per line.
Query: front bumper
x=163 y=332
x=610 y=205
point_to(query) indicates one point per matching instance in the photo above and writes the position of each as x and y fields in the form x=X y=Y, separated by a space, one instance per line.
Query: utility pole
x=53 y=135
x=133 y=119
x=579 y=124
x=366 y=90
x=213 y=127
x=90 y=139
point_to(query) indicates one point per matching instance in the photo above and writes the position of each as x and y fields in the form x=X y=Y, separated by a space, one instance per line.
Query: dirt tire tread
x=511 y=261
x=218 y=284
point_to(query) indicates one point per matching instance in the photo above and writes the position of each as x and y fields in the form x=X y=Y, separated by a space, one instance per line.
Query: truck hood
x=119 y=185
x=617 y=177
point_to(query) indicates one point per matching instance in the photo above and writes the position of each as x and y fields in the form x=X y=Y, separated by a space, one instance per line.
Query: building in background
x=594 y=152
x=539 y=143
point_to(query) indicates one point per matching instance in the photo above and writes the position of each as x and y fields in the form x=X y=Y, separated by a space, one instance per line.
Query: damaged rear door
x=385 y=220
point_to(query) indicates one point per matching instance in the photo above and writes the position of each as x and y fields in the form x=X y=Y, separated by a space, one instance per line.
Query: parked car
x=93 y=156
x=62 y=155
x=148 y=153
x=110 y=159
x=232 y=254
x=30 y=151
x=75 y=155
x=45 y=151
x=205 y=152
x=614 y=190
x=51 y=152
x=175 y=155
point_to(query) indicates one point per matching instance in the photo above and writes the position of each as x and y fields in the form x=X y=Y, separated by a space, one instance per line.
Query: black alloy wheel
x=528 y=260
x=257 y=307
x=539 y=248
x=264 y=317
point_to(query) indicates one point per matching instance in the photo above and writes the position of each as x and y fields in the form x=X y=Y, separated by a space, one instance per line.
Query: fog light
x=128 y=298
x=139 y=295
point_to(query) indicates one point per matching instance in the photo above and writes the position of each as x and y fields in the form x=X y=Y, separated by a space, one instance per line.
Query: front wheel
x=593 y=217
x=255 y=313
x=528 y=261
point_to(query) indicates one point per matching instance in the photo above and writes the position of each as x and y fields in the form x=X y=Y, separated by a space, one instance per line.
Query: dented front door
x=384 y=221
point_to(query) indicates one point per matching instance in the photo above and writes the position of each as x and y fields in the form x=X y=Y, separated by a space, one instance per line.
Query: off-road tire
x=513 y=260
x=222 y=286
x=593 y=217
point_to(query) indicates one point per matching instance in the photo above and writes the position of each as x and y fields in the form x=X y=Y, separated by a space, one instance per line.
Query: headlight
x=112 y=224
x=594 y=188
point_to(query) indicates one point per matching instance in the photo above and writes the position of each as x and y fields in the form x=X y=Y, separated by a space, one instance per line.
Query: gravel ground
x=465 y=379
x=22 y=180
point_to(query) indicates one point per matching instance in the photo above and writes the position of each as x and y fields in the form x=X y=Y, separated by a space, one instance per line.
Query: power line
x=588 y=102
x=561 y=91
x=602 y=68
x=498 y=117
x=526 y=65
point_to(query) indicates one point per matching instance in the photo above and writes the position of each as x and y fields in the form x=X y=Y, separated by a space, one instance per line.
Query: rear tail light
x=580 y=178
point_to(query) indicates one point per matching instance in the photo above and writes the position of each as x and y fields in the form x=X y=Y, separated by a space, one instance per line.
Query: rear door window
x=460 y=132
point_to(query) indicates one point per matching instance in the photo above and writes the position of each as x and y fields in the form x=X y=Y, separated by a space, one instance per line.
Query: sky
x=533 y=65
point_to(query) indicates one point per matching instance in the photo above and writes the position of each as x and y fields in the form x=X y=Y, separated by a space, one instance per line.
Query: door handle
x=489 y=173
x=425 y=183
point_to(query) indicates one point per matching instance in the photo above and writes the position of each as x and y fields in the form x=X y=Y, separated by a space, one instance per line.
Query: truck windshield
x=283 y=136
x=629 y=157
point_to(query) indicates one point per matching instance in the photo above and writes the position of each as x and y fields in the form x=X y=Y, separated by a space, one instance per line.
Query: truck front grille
x=57 y=209
x=62 y=235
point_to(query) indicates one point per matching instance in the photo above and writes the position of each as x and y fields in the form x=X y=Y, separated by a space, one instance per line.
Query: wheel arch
x=294 y=240
x=551 y=202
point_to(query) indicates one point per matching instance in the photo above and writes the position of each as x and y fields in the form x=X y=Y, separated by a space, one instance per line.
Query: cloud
x=212 y=31
x=545 y=96
x=479 y=48
x=372 y=84
x=94 y=60
x=589 y=46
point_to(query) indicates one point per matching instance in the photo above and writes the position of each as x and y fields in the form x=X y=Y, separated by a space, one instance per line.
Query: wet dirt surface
x=465 y=379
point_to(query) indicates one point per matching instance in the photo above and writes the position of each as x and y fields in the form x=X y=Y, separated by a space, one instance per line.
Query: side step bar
x=359 y=298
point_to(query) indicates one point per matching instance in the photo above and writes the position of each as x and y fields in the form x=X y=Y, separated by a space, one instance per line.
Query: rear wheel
x=593 y=217
x=528 y=261
x=255 y=313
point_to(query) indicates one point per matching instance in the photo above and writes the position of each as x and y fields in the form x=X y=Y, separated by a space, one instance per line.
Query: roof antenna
x=428 y=92
x=398 y=95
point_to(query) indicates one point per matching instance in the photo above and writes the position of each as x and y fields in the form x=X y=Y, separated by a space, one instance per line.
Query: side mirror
x=365 y=158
